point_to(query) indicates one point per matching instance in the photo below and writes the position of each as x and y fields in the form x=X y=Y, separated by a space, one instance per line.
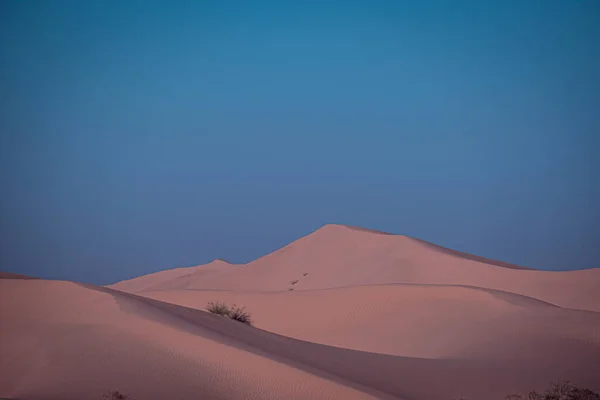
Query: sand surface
x=371 y=315
x=340 y=256
x=429 y=321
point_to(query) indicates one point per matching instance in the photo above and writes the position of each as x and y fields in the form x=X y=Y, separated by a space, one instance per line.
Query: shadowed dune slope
x=341 y=256
x=9 y=275
x=428 y=321
x=73 y=341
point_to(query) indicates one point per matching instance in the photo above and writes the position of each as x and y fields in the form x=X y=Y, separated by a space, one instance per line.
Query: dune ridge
x=342 y=256
x=9 y=275
x=426 y=321
x=187 y=349
x=341 y=313
x=148 y=282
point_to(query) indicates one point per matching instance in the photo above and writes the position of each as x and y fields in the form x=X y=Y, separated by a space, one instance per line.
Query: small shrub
x=304 y=274
x=239 y=314
x=567 y=391
x=218 y=308
x=559 y=391
x=235 y=313
x=294 y=282
x=115 y=395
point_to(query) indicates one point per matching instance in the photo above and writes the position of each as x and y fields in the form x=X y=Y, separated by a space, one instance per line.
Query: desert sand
x=338 y=256
x=342 y=313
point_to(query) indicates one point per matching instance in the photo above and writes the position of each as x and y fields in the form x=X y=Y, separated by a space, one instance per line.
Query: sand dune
x=148 y=282
x=70 y=342
x=8 y=275
x=427 y=321
x=340 y=256
x=343 y=313
x=73 y=341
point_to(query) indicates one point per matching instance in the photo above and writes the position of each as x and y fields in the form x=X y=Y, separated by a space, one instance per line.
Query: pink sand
x=371 y=315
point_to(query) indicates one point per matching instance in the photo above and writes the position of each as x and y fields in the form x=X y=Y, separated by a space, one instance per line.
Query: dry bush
x=218 y=308
x=556 y=391
x=559 y=391
x=116 y=395
x=239 y=314
x=235 y=313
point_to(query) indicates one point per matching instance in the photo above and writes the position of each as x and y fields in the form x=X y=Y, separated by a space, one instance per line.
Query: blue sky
x=145 y=135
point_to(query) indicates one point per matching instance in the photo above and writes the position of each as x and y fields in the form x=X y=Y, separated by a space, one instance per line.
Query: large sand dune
x=428 y=321
x=371 y=315
x=340 y=256
x=69 y=341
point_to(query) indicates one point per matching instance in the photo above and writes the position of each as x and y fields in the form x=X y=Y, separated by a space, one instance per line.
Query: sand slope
x=341 y=256
x=343 y=313
x=8 y=275
x=150 y=281
x=428 y=321
x=69 y=341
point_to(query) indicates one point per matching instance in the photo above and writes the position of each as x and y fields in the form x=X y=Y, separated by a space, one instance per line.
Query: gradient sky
x=142 y=135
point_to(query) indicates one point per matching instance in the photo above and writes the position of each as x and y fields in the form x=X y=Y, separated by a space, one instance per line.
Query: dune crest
x=9 y=275
x=341 y=313
x=150 y=281
x=425 y=321
x=73 y=341
x=343 y=256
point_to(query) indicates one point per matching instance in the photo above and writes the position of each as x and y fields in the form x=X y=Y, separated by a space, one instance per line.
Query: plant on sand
x=239 y=314
x=559 y=391
x=236 y=313
x=218 y=308
x=115 y=395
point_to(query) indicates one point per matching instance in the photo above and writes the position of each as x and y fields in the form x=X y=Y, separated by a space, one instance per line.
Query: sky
x=138 y=136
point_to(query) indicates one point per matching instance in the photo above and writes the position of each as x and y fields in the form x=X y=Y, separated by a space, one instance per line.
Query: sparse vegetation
x=236 y=313
x=217 y=308
x=239 y=314
x=558 y=391
x=116 y=395
x=304 y=274
x=294 y=282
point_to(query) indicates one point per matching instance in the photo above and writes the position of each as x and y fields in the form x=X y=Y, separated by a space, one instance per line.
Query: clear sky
x=142 y=135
